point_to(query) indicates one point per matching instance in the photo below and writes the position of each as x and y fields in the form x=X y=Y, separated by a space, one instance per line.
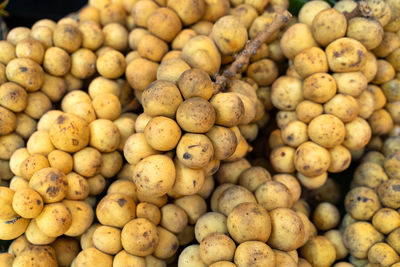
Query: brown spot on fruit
x=121 y=202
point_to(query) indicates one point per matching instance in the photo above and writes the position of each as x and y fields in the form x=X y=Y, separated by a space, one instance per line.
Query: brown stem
x=362 y=10
x=251 y=48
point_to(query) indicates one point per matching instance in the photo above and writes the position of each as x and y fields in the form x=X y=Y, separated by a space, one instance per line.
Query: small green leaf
x=295 y=6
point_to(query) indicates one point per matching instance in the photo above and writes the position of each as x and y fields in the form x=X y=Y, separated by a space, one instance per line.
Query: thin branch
x=362 y=10
x=251 y=48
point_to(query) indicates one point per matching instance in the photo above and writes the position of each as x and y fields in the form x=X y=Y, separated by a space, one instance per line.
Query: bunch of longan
x=51 y=183
x=332 y=99
x=371 y=225
x=262 y=220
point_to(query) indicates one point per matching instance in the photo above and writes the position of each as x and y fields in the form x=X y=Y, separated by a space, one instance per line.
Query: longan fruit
x=309 y=61
x=350 y=83
x=282 y=159
x=264 y=72
x=336 y=239
x=123 y=258
x=314 y=182
x=311 y=159
x=83 y=63
x=195 y=83
x=383 y=254
x=387 y=193
x=272 y=195
x=381 y=122
x=190 y=256
x=67 y=37
x=286 y=93
x=326 y=130
x=326 y=216
x=30 y=48
x=37 y=104
x=54 y=87
x=353 y=58
x=56 y=61
x=141 y=72
x=8 y=144
x=358 y=134
x=107 y=106
x=18 y=34
x=25 y=72
x=89 y=13
x=154 y=175
x=380 y=11
x=385 y=72
x=202 y=27
x=13 y=97
x=361 y=203
x=390 y=91
x=111 y=64
x=254 y=252
x=226 y=30
x=92 y=256
x=319 y=251
x=340 y=159
x=368 y=32
x=161 y=98
x=171 y=69
x=215 y=9
x=115 y=209
x=6 y=199
x=32 y=164
x=307 y=110
x=294 y=133
x=296 y=38
x=8 y=52
x=146 y=237
x=57 y=216
x=213 y=243
x=261 y=22
x=201 y=52
x=164 y=23
x=107 y=239
x=319 y=87
x=245 y=13
x=162 y=133
x=194 y=150
x=386 y=220
x=291 y=183
x=92 y=35
x=69 y=133
x=44 y=35
x=188 y=11
x=181 y=38
x=310 y=9
x=287 y=229
x=142 y=10
x=195 y=115
x=223 y=140
x=115 y=36
x=389 y=43
x=112 y=13
x=104 y=135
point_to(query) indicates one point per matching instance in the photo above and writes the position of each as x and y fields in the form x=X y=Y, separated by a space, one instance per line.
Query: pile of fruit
x=202 y=133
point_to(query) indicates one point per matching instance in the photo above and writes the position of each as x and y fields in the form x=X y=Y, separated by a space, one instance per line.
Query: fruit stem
x=362 y=10
x=221 y=80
